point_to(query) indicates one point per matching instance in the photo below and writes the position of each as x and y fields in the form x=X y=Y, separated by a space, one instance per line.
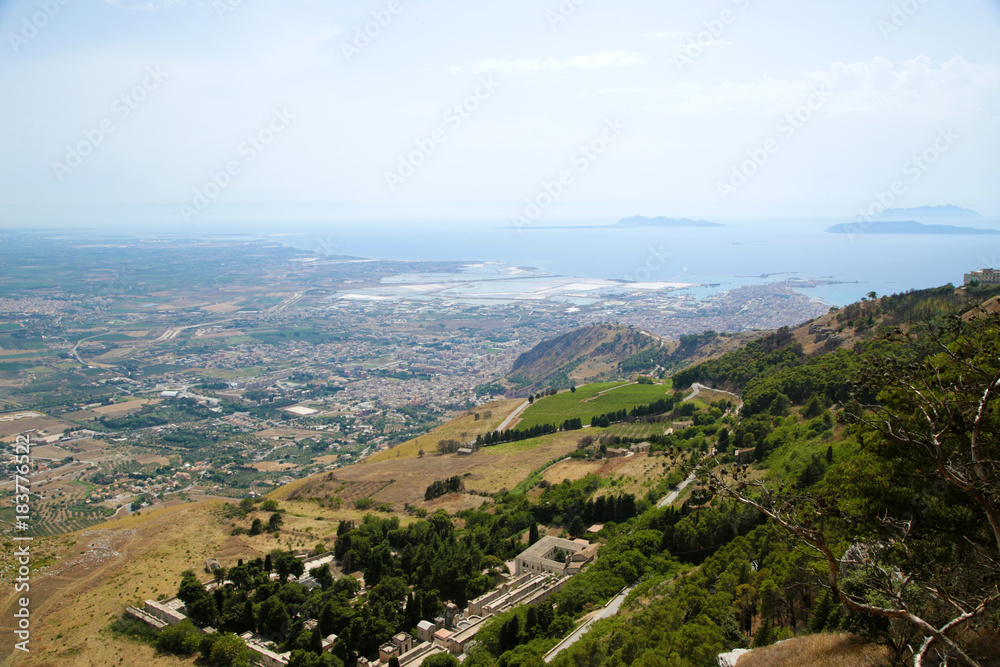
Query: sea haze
x=721 y=258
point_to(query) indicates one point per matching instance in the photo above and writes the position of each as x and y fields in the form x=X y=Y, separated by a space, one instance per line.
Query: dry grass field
x=51 y=425
x=50 y=452
x=635 y=474
x=571 y=470
x=404 y=479
x=271 y=466
x=463 y=428
x=224 y=308
x=98 y=572
x=824 y=650
x=81 y=415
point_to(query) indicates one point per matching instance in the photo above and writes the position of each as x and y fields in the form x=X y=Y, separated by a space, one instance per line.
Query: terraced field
x=58 y=520
x=331 y=487
x=57 y=516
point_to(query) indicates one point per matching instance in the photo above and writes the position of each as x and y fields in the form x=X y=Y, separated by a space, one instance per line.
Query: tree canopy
x=910 y=528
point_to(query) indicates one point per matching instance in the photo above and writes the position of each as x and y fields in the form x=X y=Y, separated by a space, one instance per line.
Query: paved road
x=672 y=496
x=610 y=609
x=514 y=415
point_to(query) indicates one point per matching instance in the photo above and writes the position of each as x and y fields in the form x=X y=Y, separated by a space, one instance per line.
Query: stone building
x=553 y=555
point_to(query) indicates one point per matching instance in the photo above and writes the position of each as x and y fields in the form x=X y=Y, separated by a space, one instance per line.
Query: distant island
x=903 y=227
x=641 y=221
x=929 y=213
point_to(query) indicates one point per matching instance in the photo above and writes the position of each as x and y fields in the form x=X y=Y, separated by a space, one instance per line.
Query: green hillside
x=896 y=486
x=591 y=401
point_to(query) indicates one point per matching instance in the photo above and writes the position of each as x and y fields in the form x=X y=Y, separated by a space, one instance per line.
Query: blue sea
x=721 y=258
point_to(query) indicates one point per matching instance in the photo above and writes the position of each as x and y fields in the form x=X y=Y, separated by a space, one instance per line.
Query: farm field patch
x=590 y=401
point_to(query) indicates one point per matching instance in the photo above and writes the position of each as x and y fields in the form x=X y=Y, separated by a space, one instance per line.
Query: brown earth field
x=51 y=425
x=49 y=452
x=488 y=470
x=464 y=427
x=634 y=474
x=89 y=447
x=122 y=408
x=271 y=466
x=81 y=415
x=117 y=353
x=571 y=470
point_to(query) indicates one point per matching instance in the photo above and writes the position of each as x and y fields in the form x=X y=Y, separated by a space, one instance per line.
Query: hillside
x=839 y=330
x=607 y=352
x=585 y=354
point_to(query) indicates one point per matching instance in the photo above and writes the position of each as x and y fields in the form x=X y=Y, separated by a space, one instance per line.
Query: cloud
x=600 y=60
x=956 y=87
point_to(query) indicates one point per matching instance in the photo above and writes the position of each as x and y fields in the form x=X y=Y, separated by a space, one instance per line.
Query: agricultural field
x=638 y=430
x=635 y=475
x=465 y=427
x=590 y=401
x=403 y=480
x=61 y=518
x=57 y=507
x=332 y=490
x=51 y=425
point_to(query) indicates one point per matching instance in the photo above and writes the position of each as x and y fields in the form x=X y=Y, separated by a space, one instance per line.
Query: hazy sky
x=194 y=112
